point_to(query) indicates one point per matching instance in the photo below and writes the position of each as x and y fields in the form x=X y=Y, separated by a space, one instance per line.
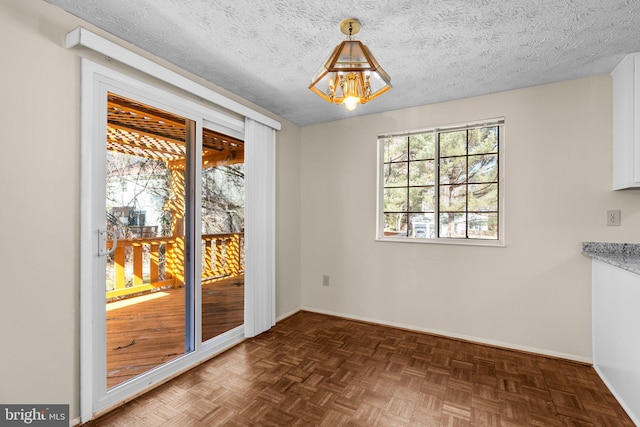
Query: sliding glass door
x=222 y=226
x=166 y=166
x=146 y=272
x=153 y=237
x=163 y=201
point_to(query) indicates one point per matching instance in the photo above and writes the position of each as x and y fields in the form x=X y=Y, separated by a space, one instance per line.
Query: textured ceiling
x=267 y=51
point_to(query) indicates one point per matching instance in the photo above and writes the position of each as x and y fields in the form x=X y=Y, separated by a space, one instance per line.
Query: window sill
x=445 y=241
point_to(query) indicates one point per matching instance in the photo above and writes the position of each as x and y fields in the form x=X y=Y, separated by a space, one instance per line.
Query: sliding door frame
x=97 y=81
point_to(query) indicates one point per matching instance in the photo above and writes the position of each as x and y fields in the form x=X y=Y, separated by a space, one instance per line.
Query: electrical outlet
x=325 y=280
x=613 y=217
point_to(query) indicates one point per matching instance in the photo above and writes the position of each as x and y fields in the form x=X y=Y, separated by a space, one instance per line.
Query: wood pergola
x=137 y=129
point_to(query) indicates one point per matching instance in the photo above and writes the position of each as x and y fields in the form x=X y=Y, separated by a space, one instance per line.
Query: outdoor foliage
x=223 y=199
x=137 y=184
x=144 y=185
x=465 y=178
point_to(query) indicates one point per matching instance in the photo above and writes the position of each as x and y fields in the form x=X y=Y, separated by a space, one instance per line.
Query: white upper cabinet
x=626 y=123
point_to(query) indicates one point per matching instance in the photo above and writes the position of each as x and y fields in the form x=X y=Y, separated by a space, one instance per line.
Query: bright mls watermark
x=34 y=415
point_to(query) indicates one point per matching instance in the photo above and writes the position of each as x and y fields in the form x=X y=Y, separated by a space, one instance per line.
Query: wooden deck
x=148 y=330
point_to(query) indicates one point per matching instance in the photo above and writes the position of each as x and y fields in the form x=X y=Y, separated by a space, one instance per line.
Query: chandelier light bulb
x=351 y=102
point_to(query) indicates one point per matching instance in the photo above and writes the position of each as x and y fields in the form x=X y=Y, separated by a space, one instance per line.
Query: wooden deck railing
x=222 y=255
x=144 y=264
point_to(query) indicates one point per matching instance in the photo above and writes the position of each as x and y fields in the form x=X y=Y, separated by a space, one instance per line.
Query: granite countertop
x=623 y=255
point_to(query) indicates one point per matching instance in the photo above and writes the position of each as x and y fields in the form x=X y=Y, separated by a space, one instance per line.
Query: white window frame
x=500 y=242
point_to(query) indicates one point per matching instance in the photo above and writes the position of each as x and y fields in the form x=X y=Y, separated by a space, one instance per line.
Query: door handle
x=102 y=242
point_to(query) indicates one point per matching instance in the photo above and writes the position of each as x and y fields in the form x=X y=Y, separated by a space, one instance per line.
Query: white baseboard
x=614 y=391
x=472 y=339
x=289 y=314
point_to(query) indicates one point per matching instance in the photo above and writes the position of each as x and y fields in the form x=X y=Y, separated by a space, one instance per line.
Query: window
x=442 y=185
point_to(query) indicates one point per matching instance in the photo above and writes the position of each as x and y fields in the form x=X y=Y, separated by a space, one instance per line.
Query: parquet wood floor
x=318 y=370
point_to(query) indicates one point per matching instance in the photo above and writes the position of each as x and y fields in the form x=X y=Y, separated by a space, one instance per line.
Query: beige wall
x=534 y=293
x=40 y=213
x=39 y=169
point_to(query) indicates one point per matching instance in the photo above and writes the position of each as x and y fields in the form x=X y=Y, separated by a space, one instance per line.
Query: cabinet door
x=626 y=141
x=615 y=320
